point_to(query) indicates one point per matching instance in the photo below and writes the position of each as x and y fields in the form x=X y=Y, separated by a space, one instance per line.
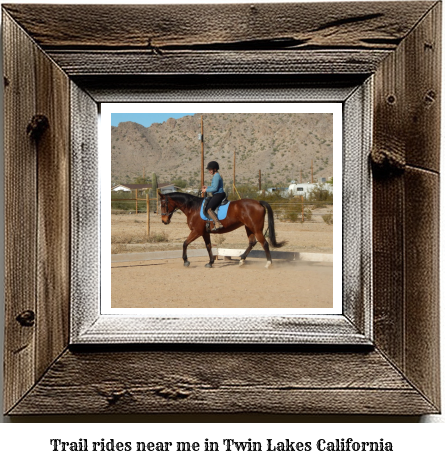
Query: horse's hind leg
x=206 y=237
x=252 y=242
x=262 y=240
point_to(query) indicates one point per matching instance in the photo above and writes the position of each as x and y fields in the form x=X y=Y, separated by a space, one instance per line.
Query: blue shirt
x=217 y=186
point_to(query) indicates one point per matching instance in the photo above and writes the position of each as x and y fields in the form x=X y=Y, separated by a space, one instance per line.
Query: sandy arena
x=168 y=284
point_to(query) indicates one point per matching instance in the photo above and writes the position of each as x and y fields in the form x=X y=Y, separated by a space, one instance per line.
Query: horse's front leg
x=206 y=237
x=192 y=236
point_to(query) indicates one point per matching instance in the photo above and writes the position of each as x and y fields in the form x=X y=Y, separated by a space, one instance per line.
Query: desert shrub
x=292 y=215
x=157 y=237
x=307 y=214
x=328 y=218
x=318 y=194
x=127 y=239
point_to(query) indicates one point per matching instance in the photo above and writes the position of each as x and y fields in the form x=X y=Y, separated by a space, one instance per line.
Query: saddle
x=220 y=211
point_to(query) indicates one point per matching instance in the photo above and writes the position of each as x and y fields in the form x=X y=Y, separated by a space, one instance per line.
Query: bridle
x=168 y=214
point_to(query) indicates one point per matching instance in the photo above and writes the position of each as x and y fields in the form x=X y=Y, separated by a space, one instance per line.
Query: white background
x=412 y=442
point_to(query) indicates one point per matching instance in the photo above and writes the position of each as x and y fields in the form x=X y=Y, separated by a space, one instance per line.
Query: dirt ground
x=168 y=284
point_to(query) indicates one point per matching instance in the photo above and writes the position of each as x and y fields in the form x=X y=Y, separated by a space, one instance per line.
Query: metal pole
x=202 y=154
x=147 y=199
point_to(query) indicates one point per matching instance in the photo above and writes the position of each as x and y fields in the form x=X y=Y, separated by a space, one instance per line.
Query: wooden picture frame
x=58 y=69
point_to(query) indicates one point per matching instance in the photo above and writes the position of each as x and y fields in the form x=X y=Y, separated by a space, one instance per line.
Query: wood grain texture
x=20 y=211
x=422 y=324
x=222 y=382
x=79 y=63
x=423 y=92
x=53 y=227
x=406 y=208
x=348 y=25
x=388 y=200
x=85 y=212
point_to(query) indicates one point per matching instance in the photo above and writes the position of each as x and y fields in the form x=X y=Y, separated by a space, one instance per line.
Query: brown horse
x=247 y=212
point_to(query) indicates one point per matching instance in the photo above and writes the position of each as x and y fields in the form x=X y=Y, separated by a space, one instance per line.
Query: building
x=164 y=188
x=305 y=188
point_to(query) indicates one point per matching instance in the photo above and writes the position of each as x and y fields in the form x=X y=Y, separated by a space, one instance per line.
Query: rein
x=168 y=214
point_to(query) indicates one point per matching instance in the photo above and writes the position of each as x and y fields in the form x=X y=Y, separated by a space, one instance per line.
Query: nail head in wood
x=37 y=126
x=26 y=318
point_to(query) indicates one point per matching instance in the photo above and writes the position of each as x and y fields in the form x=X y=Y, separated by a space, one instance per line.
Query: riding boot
x=212 y=215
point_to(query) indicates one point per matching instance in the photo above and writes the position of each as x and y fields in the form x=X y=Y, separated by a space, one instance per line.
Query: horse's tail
x=272 y=237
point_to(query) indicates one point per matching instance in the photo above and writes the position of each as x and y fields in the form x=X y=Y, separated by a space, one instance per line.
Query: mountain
x=280 y=144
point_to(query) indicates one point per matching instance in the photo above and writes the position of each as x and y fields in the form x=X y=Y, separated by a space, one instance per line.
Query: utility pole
x=312 y=171
x=301 y=175
x=202 y=154
x=259 y=180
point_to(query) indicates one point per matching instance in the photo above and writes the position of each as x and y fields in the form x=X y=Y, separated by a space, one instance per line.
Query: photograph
x=249 y=195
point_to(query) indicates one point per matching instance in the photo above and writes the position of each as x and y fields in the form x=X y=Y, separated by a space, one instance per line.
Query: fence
x=301 y=210
x=138 y=205
x=292 y=210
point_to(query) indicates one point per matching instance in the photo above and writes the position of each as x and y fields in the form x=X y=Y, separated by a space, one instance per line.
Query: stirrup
x=217 y=228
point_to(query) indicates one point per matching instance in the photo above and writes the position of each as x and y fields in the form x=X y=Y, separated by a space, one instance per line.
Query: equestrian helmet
x=212 y=165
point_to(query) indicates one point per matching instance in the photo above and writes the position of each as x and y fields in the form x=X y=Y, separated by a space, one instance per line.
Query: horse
x=248 y=212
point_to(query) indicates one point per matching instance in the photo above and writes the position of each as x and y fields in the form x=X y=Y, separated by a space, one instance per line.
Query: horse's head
x=168 y=206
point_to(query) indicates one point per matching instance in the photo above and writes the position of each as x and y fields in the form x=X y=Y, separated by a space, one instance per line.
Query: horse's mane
x=188 y=200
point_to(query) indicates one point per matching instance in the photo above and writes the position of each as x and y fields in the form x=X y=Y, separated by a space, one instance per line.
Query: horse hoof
x=208 y=265
x=268 y=264
x=242 y=262
x=187 y=263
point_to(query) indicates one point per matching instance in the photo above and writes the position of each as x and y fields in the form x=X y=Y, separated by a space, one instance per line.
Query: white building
x=305 y=188
x=164 y=188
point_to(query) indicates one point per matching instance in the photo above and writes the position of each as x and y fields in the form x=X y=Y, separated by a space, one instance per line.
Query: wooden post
x=202 y=154
x=234 y=160
x=148 y=213
x=136 y=201
x=302 y=208
x=259 y=182
x=157 y=201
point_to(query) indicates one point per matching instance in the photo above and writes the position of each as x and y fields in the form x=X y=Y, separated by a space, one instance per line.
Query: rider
x=217 y=191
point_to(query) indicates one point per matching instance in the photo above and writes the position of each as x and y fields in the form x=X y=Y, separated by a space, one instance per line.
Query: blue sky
x=146 y=119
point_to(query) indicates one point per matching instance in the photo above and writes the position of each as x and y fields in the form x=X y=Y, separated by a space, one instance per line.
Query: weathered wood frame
x=93 y=53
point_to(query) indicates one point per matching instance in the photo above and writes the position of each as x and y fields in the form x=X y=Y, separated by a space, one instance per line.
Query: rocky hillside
x=278 y=144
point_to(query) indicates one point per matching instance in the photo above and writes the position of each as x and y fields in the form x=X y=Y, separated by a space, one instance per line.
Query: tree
x=179 y=183
x=141 y=180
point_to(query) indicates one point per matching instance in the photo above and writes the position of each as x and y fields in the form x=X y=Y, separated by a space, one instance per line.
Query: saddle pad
x=221 y=212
